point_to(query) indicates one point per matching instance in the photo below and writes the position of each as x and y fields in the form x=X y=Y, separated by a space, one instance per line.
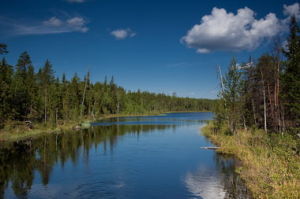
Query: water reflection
x=222 y=183
x=19 y=160
x=131 y=157
x=205 y=184
x=232 y=182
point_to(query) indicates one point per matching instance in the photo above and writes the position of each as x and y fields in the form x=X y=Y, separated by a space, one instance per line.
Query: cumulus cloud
x=53 y=25
x=222 y=30
x=292 y=10
x=122 y=33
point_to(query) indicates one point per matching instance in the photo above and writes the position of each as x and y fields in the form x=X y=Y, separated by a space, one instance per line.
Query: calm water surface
x=129 y=157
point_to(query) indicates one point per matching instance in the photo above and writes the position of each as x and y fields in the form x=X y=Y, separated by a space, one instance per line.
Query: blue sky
x=143 y=44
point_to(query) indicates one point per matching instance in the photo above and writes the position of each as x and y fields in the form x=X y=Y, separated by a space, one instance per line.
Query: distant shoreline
x=17 y=134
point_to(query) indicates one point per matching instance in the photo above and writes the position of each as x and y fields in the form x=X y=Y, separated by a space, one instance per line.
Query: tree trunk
x=265 y=110
x=253 y=109
x=45 y=108
x=265 y=105
x=56 y=116
x=244 y=122
x=83 y=97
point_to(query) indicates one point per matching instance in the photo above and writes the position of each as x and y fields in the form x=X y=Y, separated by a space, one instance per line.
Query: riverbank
x=21 y=132
x=14 y=132
x=270 y=166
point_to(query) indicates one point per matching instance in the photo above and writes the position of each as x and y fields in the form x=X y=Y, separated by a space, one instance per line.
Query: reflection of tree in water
x=222 y=183
x=233 y=184
x=19 y=160
x=23 y=178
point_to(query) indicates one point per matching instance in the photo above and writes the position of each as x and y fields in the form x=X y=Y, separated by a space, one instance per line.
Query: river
x=129 y=157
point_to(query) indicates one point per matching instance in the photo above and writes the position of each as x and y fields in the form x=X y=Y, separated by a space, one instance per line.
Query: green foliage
x=3 y=48
x=265 y=94
x=6 y=77
x=21 y=95
x=231 y=96
x=270 y=164
x=41 y=97
x=291 y=76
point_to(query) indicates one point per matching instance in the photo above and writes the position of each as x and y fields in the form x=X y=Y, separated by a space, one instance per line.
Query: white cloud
x=291 y=10
x=53 y=21
x=205 y=184
x=53 y=25
x=122 y=33
x=77 y=23
x=222 y=30
x=76 y=1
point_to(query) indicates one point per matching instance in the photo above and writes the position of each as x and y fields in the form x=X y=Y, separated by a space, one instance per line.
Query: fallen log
x=210 y=147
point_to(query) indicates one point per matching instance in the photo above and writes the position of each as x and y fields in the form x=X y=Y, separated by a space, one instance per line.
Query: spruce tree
x=291 y=77
x=47 y=79
x=231 y=93
x=21 y=93
x=3 y=48
x=6 y=73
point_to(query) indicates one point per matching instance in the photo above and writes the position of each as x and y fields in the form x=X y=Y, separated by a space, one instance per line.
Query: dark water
x=131 y=157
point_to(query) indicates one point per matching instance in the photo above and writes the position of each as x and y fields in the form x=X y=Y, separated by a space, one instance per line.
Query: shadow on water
x=29 y=162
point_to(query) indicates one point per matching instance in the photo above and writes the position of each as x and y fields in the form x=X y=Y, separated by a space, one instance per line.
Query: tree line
x=263 y=93
x=40 y=96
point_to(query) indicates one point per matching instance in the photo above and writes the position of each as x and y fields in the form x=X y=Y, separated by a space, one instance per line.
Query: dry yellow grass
x=270 y=166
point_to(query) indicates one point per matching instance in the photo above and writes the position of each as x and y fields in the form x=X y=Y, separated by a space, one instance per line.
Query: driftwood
x=210 y=147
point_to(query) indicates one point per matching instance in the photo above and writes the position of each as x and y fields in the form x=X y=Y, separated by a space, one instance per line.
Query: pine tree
x=47 y=79
x=3 y=48
x=291 y=77
x=64 y=97
x=74 y=97
x=32 y=88
x=21 y=94
x=54 y=104
x=25 y=94
x=6 y=73
x=231 y=94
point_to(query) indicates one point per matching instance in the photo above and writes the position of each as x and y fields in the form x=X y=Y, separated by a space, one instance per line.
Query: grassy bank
x=20 y=132
x=14 y=131
x=270 y=166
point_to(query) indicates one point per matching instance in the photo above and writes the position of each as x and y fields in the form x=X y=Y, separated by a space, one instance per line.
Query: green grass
x=20 y=132
x=270 y=166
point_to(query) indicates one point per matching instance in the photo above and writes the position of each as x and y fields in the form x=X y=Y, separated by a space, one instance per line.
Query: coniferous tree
x=21 y=93
x=74 y=97
x=231 y=94
x=40 y=97
x=3 y=48
x=32 y=88
x=46 y=79
x=291 y=77
x=6 y=73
